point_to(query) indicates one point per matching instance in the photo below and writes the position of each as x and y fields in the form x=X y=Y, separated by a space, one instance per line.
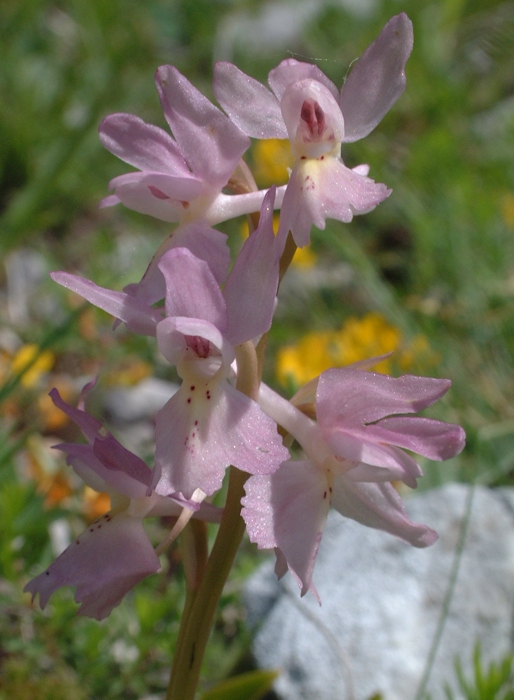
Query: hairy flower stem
x=197 y=621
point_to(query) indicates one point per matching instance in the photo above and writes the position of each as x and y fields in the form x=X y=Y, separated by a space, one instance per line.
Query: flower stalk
x=197 y=623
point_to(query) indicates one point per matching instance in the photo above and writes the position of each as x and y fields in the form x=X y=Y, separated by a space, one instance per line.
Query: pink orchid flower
x=208 y=424
x=114 y=553
x=181 y=178
x=353 y=452
x=306 y=107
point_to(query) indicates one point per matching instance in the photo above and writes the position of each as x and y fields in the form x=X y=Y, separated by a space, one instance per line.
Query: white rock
x=382 y=601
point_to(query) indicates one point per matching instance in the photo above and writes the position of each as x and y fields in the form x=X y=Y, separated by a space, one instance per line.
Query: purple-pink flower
x=353 y=452
x=306 y=107
x=208 y=424
x=114 y=553
x=181 y=178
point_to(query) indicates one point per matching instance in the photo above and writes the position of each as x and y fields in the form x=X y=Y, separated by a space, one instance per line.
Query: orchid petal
x=142 y=145
x=206 y=243
x=165 y=197
x=288 y=510
x=379 y=506
x=249 y=104
x=320 y=137
x=430 y=438
x=325 y=188
x=203 y=241
x=90 y=467
x=110 y=201
x=161 y=186
x=138 y=316
x=292 y=71
x=117 y=458
x=204 y=428
x=355 y=447
x=87 y=423
x=191 y=288
x=211 y=144
x=355 y=397
x=377 y=79
x=251 y=287
x=103 y=563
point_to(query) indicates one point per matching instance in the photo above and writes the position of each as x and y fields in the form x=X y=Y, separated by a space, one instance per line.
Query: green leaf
x=248 y=686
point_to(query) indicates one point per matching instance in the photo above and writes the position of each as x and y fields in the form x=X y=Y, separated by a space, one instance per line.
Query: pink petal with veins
x=108 y=559
x=249 y=104
x=379 y=506
x=206 y=427
x=138 y=316
x=142 y=145
x=251 y=287
x=212 y=145
x=321 y=189
x=292 y=71
x=191 y=288
x=288 y=510
x=376 y=79
x=357 y=397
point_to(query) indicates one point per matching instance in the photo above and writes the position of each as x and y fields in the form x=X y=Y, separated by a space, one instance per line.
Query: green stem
x=196 y=625
x=193 y=544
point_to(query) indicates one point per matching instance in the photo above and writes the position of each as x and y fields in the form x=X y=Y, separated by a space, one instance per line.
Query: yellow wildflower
x=304 y=258
x=358 y=339
x=128 y=373
x=38 y=362
x=272 y=158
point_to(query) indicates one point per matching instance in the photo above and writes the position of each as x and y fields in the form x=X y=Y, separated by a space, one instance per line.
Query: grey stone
x=139 y=402
x=382 y=601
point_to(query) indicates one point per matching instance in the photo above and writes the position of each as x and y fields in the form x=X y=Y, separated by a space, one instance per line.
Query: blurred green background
x=435 y=261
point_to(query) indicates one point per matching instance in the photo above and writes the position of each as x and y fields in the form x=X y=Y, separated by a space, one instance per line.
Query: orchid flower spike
x=114 y=553
x=352 y=454
x=306 y=107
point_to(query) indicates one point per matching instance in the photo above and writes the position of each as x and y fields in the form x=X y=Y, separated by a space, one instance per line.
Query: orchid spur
x=352 y=454
x=306 y=107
